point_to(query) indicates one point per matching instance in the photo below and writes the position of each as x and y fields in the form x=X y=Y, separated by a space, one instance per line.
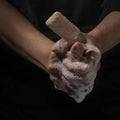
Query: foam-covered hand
x=73 y=68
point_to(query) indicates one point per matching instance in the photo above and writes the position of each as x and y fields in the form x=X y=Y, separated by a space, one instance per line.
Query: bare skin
x=19 y=34
x=107 y=34
x=22 y=36
x=74 y=68
x=25 y=37
x=76 y=59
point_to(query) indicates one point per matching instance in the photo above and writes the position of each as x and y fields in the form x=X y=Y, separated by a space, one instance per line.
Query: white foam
x=79 y=74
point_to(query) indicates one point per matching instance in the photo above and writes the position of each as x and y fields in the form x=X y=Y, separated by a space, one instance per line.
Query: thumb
x=77 y=51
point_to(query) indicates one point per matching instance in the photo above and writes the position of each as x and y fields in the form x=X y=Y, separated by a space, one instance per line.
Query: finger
x=67 y=86
x=77 y=52
x=57 y=82
x=92 y=54
x=53 y=58
x=75 y=78
x=60 y=47
x=55 y=70
x=53 y=78
x=76 y=67
x=90 y=57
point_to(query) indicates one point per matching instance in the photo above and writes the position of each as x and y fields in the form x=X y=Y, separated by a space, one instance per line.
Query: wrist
x=94 y=38
x=90 y=39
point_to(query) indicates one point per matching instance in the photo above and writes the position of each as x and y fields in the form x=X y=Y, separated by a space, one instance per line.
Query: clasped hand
x=73 y=68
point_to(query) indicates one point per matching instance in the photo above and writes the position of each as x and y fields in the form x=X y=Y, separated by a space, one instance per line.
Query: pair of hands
x=73 y=68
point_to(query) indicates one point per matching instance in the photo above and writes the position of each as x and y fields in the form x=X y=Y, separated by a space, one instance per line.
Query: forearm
x=23 y=53
x=22 y=35
x=107 y=34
